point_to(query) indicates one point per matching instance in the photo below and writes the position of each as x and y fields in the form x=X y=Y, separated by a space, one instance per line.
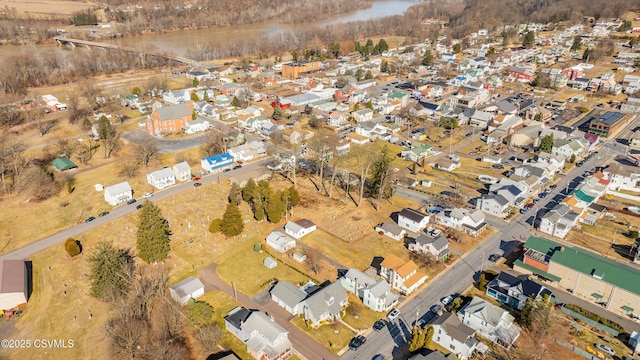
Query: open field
x=46 y=7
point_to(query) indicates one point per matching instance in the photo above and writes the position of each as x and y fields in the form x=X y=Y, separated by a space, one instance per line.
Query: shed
x=270 y=262
x=63 y=164
x=14 y=283
x=187 y=289
x=299 y=257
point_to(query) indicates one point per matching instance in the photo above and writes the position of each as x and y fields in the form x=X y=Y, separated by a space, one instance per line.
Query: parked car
x=436 y=309
x=237 y=167
x=90 y=219
x=393 y=314
x=446 y=300
x=494 y=257
x=197 y=178
x=147 y=195
x=379 y=325
x=227 y=170
x=606 y=349
x=553 y=186
x=378 y=357
x=419 y=323
x=139 y=207
x=356 y=342
x=104 y=213
x=132 y=201
x=196 y=184
x=498 y=166
x=543 y=194
x=524 y=211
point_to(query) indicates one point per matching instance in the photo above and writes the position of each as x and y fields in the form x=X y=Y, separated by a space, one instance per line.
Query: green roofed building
x=586 y=274
x=63 y=164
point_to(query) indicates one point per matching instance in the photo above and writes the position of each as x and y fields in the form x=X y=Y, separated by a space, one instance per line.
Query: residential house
x=568 y=148
x=288 y=296
x=471 y=222
x=449 y=163
x=481 y=119
x=391 y=230
x=265 y=339
x=170 y=119
x=248 y=151
x=176 y=97
x=337 y=119
x=371 y=129
x=216 y=163
x=490 y=321
x=362 y=115
x=493 y=204
x=587 y=275
x=197 y=125
x=325 y=305
x=515 y=291
x=342 y=147
x=253 y=124
x=280 y=242
x=403 y=276
x=375 y=294
x=434 y=355
x=412 y=220
x=187 y=289
x=518 y=73
x=182 y=171
x=357 y=139
x=450 y=333
x=15 y=277
x=438 y=247
x=416 y=152
x=623 y=177
x=299 y=228
x=118 y=193
x=559 y=221
x=162 y=178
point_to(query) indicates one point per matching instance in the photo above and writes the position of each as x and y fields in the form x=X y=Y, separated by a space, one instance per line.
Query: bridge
x=62 y=40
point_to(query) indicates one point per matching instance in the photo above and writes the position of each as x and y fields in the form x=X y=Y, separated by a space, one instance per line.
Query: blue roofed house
x=265 y=339
x=216 y=163
x=375 y=294
x=162 y=178
x=514 y=291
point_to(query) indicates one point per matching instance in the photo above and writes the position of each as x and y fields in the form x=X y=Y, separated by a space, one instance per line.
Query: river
x=179 y=42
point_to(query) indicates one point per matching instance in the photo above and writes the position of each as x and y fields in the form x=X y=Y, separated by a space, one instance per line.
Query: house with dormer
x=403 y=276
x=471 y=222
x=493 y=204
x=559 y=220
x=375 y=294
x=515 y=291
x=324 y=305
x=438 y=246
x=569 y=147
x=176 y=97
x=490 y=321
x=265 y=339
x=451 y=334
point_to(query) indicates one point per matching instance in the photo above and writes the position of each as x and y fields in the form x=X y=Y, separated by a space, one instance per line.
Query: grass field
x=334 y=336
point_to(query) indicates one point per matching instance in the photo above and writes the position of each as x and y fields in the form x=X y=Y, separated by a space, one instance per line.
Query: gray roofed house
x=438 y=247
x=490 y=321
x=355 y=280
x=280 y=242
x=451 y=333
x=379 y=297
x=434 y=355
x=412 y=220
x=161 y=178
x=494 y=204
x=265 y=338
x=14 y=283
x=391 y=230
x=187 y=289
x=288 y=296
x=118 y=193
x=182 y=171
x=325 y=304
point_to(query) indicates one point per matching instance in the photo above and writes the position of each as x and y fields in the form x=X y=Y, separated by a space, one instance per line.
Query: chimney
x=561 y=248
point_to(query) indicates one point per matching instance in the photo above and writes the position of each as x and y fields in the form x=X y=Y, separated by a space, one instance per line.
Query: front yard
x=333 y=336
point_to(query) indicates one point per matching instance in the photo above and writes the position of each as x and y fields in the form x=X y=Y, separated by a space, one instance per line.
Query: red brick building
x=170 y=119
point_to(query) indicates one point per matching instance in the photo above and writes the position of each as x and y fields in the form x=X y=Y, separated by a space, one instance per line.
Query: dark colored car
x=139 y=207
x=356 y=342
x=227 y=170
x=197 y=184
x=498 y=166
x=104 y=213
x=379 y=325
x=90 y=219
x=494 y=257
x=237 y=167
x=132 y=201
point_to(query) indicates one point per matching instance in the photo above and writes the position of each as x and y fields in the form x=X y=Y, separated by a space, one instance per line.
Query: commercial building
x=294 y=70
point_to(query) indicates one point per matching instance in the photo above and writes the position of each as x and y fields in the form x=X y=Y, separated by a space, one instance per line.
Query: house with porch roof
x=403 y=276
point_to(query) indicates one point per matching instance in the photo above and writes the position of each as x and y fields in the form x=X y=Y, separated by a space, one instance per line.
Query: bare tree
x=208 y=337
x=126 y=336
x=43 y=127
x=321 y=151
x=145 y=150
x=364 y=159
x=109 y=137
x=314 y=261
x=215 y=143
x=87 y=149
x=13 y=163
x=42 y=182
x=129 y=169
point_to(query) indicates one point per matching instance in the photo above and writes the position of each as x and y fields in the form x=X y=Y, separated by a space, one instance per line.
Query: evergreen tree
x=577 y=43
x=72 y=246
x=368 y=75
x=369 y=105
x=277 y=113
x=457 y=48
x=274 y=208
x=413 y=343
x=215 y=225
x=194 y=115
x=546 y=144
x=195 y=82
x=382 y=46
x=258 y=206
x=586 y=54
x=153 y=234
x=248 y=189
x=359 y=74
x=384 y=66
x=194 y=97
x=526 y=312
x=428 y=337
x=232 y=224
x=200 y=313
x=294 y=196
x=235 y=194
x=427 y=59
x=205 y=97
x=529 y=39
x=235 y=102
x=111 y=271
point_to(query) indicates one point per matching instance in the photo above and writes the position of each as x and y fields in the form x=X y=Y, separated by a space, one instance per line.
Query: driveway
x=166 y=146
x=307 y=346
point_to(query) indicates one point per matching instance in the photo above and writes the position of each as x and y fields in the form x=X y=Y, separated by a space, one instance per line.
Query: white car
x=606 y=349
x=393 y=314
x=147 y=195
x=446 y=300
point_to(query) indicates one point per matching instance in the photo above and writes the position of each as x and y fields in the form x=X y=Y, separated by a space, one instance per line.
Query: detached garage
x=14 y=283
x=187 y=289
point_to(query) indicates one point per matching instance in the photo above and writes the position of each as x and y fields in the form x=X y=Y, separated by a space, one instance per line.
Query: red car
x=196 y=178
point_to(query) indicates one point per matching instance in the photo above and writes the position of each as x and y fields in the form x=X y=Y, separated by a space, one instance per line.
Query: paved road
x=307 y=346
x=458 y=277
x=122 y=210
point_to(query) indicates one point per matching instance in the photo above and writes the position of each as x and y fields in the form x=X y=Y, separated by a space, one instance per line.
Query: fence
x=576 y=350
x=586 y=320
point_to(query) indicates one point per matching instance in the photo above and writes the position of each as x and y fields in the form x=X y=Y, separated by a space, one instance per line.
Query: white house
x=280 y=242
x=118 y=193
x=403 y=276
x=450 y=333
x=182 y=171
x=490 y=321
x=437 y=247
x=326 y=304
x=187 y=289
x=375 y=294
x=471 y=222
x=264 y=338
x=216 y=162
x=362 y=115
x=162 y=178
x=412 y=220
x=623 y=177
x=391 y=230
x=493 y=204
x=299 y=228
x=176 y=97
x=14 y=280
x=197 y=125
x=248 y=151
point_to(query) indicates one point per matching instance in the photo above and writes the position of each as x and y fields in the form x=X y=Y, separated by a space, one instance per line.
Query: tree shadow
x=625 y=251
